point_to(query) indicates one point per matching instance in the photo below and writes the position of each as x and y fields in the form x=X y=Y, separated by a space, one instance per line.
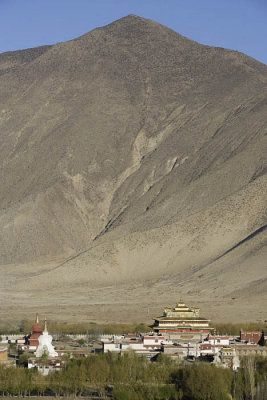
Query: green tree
x=23 y=359
x=203 y=381
x=248 y=365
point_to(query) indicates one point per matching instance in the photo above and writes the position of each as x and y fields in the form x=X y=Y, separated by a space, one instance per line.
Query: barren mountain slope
x=133 y=171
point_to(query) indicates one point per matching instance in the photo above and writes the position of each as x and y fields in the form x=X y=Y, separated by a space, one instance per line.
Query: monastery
x=180 y=334
x=182 y=323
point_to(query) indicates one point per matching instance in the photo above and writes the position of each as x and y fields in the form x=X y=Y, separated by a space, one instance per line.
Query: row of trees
x=134 y=378
x=78 y=328
x=234 y=329
x=95 y=329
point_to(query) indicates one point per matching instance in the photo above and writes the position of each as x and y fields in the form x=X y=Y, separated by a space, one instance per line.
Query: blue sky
x=236 y=24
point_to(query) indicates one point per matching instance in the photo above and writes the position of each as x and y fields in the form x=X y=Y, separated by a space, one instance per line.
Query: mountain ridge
x=132 y=156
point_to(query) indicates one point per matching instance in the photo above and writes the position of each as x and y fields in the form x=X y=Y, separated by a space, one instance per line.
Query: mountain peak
x=129 y=149
x=135 y=23
x=133 y=18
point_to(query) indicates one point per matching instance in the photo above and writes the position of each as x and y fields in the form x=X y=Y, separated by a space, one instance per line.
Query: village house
x=3 y=354
x=148 y=345
x=45 y=367
x=227 y=357
x=250 y=350
x=252 y=337
x=175 y=351
x=12 y=339
x=4 y=359
x=217 y=340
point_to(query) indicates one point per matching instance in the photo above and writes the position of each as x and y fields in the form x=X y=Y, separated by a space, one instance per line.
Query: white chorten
x=45 y=345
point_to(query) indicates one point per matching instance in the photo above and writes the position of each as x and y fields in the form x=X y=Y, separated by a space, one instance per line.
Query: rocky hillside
x=133 y=172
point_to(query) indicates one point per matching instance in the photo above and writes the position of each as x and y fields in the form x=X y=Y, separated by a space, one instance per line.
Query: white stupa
x=45 y=344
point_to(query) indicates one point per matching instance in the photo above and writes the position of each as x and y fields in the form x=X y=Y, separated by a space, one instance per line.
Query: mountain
x=133 y=172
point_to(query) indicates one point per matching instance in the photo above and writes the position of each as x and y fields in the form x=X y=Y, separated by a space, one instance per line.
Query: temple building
x=182 y=323
x=37 y=331
x=45 y=346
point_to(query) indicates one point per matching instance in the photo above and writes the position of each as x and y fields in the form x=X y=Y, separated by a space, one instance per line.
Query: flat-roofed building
x=250 y=350
x=3 y=354
x=45 y=368
x=228 y=358
x=218 y=340
x=175 y=350
x=252 y=337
